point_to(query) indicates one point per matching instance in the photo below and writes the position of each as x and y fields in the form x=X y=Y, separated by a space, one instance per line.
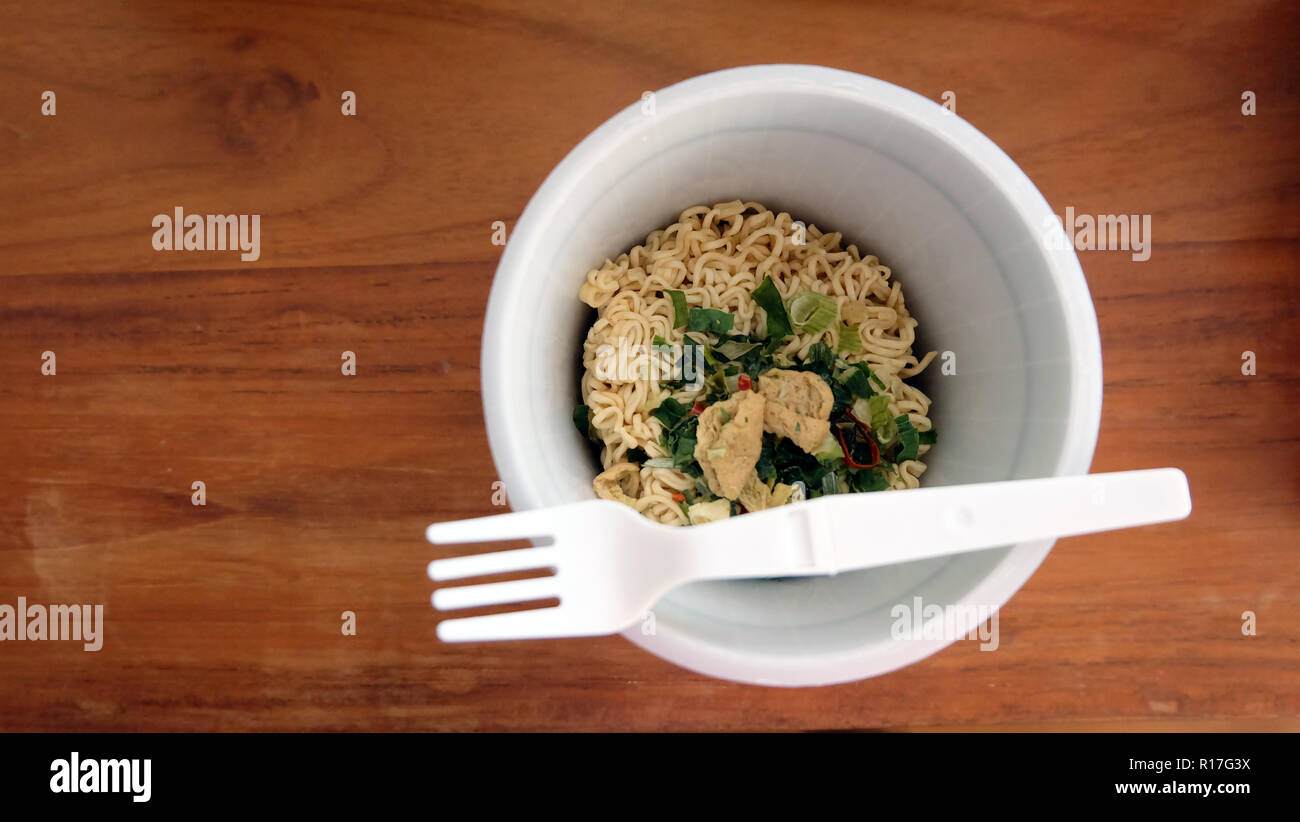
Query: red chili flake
x=844 y=446
x=698 y=408
x=745 y=383
x=679 y=498
x=866 y=432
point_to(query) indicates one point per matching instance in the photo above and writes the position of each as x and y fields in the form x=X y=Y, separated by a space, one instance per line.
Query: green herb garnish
x=680 y=312
x=735 y=348
x=769 y=299
x=710 y=320
x=670 y=412
x=873 y=479
x=766 y=468
x=582 y=421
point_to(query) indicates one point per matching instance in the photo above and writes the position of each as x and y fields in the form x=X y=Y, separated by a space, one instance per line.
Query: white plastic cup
x=965 y=233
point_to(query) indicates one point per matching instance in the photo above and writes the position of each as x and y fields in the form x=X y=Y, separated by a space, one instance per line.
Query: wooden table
x=176 y=367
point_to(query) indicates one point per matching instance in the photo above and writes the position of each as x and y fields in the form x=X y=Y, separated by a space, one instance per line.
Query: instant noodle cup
x=1015 y=389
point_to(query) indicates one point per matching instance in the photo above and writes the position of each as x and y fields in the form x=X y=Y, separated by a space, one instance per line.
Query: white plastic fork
x=611 y=563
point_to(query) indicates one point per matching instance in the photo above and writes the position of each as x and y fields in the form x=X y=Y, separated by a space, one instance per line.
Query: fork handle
x=853 y=531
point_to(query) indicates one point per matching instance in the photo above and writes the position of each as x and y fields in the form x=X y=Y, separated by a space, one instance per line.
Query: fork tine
x=494 y=562
x=516 y=525
x=495 y=593
x=539 y=623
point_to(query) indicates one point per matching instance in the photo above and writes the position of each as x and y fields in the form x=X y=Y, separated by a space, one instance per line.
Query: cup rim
x=1061 y=263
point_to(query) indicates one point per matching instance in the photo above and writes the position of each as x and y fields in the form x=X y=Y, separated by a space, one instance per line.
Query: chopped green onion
x=861 y=409
x=710 y=320
x=726 y=418
x=680 y=313
x=821 y=359
x=858 y=381
x=850 y=339
x=714 y=453
x=926 y=437
x=829 y=449
x=882 y=423
x=908 y=437
x=830 y=483
x=659 y=462
x=769 y=299
x=812 y=313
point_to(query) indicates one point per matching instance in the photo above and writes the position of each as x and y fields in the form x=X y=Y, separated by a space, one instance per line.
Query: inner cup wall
x=895 y=191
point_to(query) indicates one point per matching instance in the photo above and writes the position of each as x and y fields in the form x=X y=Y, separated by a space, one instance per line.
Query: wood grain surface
x=181 y=366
